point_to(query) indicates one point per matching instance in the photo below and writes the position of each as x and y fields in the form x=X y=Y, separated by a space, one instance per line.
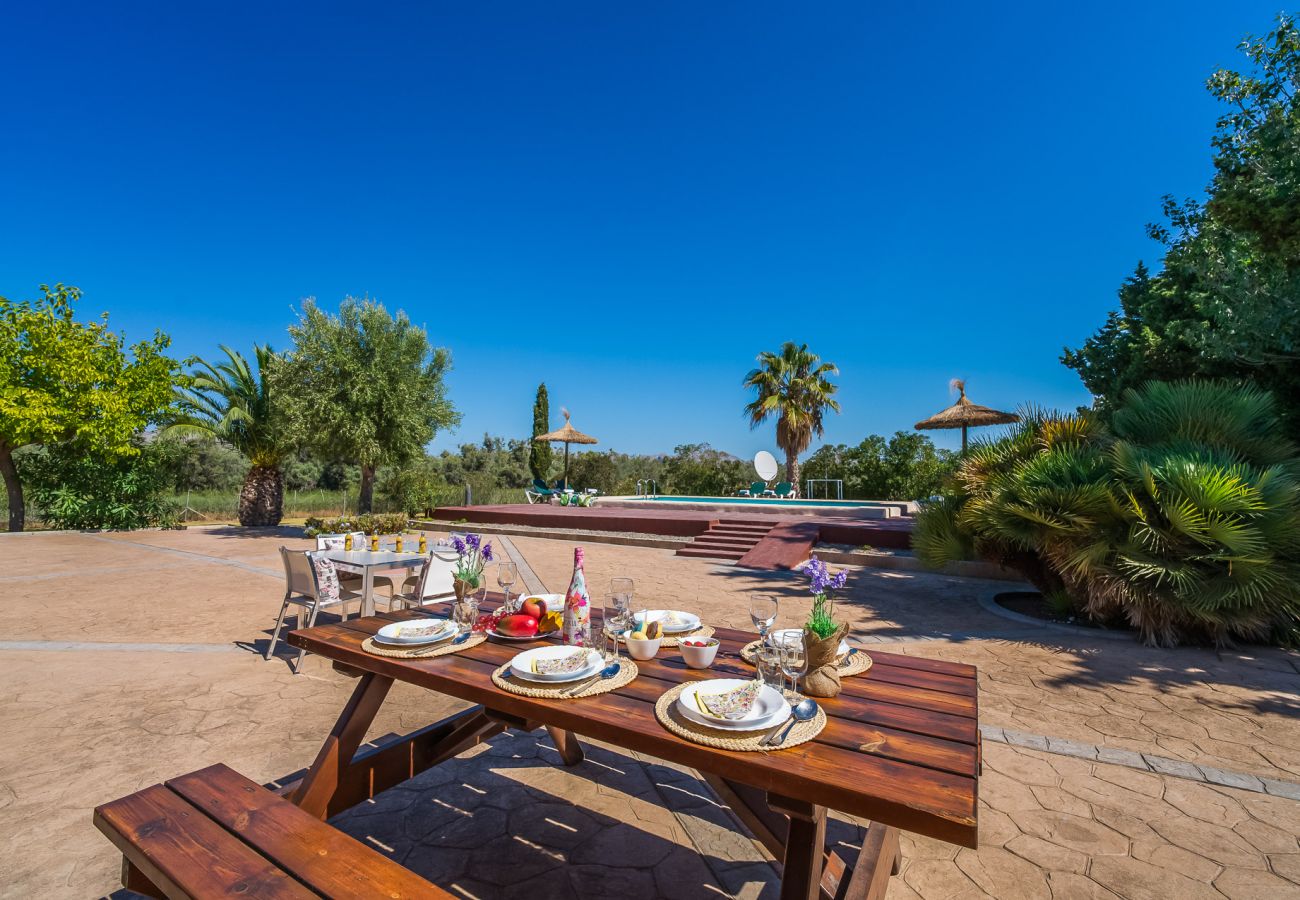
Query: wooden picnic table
x=901 y=747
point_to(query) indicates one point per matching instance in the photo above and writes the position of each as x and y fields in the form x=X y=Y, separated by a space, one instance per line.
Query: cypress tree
x=539 y=459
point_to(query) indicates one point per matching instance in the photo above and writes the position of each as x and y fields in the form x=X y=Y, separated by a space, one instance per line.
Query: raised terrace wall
x=786 y=545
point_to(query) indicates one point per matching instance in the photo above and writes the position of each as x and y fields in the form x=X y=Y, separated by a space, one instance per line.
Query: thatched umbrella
x=569 y=435
x=963 y=414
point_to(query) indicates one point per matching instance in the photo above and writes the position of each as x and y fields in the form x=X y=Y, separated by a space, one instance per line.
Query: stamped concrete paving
x=80 y=724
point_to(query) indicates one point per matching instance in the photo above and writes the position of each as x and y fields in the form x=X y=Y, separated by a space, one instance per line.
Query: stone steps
x=729 y=539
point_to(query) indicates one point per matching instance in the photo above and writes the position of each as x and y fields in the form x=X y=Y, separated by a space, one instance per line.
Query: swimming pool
x=765 y=501
x=859 y=509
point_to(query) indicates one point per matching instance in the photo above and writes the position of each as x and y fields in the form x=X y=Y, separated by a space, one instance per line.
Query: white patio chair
x=432 y=583
x=312 y=585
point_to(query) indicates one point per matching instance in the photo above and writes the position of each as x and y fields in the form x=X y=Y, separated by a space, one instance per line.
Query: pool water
x=767 y=501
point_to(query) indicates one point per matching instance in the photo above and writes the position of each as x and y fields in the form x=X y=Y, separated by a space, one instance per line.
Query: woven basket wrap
x=823 y=678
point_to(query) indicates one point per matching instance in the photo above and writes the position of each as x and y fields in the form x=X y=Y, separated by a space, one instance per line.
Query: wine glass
x=507 y=575
x=617 y=619
x=794 y=662
x=620 y=591
x=762 y=612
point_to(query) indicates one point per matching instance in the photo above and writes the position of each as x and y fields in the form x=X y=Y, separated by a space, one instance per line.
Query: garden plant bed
x=1034 y=605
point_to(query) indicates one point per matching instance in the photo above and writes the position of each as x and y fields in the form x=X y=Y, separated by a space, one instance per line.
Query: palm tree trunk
x=792 y=468
x=261 y=501
x=366 y=499
x=13 y=488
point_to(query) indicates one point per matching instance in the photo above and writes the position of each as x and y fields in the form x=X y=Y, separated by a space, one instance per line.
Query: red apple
x=535 y=607
x=518 y=625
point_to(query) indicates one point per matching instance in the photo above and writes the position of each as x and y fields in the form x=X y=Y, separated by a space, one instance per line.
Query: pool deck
x=788 y=541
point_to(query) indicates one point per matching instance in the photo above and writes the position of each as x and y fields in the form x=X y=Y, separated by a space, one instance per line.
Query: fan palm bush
x=231 y=402
x=1025 y=501
x=1181 y=515
x=1210 y=540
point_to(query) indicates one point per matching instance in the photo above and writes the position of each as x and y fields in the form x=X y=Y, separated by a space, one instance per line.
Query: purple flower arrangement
x=472 y=554
x=823 y=585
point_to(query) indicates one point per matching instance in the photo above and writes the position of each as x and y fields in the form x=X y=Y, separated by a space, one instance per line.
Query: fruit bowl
x=643 y=648
x=699 y=653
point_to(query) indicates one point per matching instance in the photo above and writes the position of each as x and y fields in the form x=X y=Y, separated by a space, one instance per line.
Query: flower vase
x=822 y=653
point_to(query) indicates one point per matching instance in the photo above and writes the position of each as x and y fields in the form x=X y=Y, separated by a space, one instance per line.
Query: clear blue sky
x=628 y=201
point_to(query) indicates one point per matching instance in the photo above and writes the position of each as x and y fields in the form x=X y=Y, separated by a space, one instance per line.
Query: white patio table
x=367 y=563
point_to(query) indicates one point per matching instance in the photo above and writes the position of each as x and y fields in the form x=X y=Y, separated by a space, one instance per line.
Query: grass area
x=298 y=505
x=223 y=506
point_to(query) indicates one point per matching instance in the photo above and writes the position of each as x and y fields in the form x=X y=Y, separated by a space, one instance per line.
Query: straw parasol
x=569 y=435
x=963 y=414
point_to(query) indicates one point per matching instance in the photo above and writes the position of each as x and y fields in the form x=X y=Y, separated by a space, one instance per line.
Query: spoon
x=608 y=672
x=804 y=710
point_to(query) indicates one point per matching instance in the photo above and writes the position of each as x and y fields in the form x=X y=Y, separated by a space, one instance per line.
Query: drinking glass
x=507 y=575
x=794 y=662
x=762 y=612
x=767 y=660
x=602 y=633
x=464 y=612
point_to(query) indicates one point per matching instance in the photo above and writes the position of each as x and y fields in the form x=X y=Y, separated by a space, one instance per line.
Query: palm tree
x=794 y=386
x=231 y=402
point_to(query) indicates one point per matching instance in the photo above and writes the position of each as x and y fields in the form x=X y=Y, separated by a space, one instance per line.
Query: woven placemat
x=501 y=679
x=671 y=717
x=669 y=641
x=855 y=663
x=422 y=651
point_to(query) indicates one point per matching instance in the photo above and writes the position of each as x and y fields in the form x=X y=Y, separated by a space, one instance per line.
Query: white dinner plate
x=522 y=664
x=391 y=634
x=776 y=637
x=672 y=621
x=769 y=709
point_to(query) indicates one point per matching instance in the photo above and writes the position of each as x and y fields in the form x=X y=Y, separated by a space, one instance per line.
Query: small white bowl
x=700 y=657
x=643 y=649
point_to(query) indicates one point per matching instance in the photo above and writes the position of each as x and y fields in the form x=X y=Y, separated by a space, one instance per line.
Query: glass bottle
x=424 y=544
x=576 y=627
x=399 y=542
x=347 y=541
x=374 y=543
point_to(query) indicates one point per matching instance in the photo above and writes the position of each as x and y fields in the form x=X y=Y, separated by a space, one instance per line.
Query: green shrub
x=370 y=523
x=413 y=488
x=74 y=488
x=1182 y=517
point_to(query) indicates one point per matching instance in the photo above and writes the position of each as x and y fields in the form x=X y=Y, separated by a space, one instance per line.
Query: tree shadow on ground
x=500 y=823
x=916 y=608
x=241 y=532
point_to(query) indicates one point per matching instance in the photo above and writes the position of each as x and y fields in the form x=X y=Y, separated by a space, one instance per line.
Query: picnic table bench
x=214 y=833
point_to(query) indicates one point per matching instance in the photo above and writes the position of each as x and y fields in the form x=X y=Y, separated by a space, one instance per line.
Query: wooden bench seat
x=214 y=833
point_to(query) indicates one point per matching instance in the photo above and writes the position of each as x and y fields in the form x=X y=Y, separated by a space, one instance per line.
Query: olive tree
x=364 y=386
